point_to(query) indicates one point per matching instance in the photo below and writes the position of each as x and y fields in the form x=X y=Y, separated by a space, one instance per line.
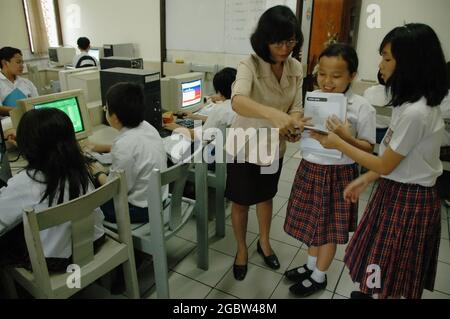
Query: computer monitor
x=97 y=52
x=182 y=92
x=89 y=82
x=64 y=75
x=60 y=56
x=71 y=102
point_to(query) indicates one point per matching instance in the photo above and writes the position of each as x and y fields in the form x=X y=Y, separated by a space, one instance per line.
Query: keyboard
x=188 y=123
x=104 y=158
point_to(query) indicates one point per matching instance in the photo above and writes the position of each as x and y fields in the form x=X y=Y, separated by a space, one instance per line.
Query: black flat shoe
x=295 y=276
x=239 y=271
x=300 y=290
x=271 y=261
x=360 y=295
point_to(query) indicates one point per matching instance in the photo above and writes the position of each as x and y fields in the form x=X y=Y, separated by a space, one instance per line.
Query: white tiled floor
x=187 y=281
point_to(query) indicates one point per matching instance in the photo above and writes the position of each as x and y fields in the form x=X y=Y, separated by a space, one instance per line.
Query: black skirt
x=249 y=184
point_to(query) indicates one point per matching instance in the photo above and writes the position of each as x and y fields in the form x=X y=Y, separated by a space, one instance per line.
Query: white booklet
x=320 y=106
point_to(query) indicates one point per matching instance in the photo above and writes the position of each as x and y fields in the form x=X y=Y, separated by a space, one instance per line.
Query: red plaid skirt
x=317 y=213
x=400 y=233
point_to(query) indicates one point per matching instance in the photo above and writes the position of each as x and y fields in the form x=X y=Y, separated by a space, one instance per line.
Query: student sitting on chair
x=84 y=60
x=221 y=115
x=56 y=172
x=138 y=149
x=12 y=86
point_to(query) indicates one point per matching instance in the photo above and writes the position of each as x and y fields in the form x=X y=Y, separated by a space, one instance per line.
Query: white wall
x=394 y=13
x=113 y=21
x=13 y=30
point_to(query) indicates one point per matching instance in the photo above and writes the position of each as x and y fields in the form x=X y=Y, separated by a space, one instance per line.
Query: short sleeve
x=407 y=132
x=367 y=124
x=244 y=80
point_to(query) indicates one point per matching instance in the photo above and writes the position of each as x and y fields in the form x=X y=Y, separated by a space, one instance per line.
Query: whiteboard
x=221 y=26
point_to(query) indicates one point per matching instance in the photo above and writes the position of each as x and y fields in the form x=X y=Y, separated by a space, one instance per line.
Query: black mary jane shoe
x=239 y=271
x=300 y=290
x=271 y=261
x=360 y=295
x=295 y=276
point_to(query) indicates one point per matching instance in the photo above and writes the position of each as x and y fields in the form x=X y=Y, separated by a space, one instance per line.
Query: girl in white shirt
x=56 y=173
x=12 y=86
x=399 y=234
x=317 y=214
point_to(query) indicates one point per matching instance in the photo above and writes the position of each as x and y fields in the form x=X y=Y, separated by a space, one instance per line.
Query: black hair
x=126 y=101
x=83 y=43
x=380 y=78
x=448 y=74
x=277 y=24
x=420 y=65
x=46 y=138
x=7 y=53
x=223 y=80
x=346 y=52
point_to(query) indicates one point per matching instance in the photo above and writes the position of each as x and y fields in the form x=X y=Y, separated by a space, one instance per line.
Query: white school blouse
x=415 y=132
x=6 y=87
x=24 y=192
x=138 y=151
x=362 y=118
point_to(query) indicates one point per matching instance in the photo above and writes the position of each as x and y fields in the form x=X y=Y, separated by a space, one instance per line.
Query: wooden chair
x=114 y=252
x=166 y=220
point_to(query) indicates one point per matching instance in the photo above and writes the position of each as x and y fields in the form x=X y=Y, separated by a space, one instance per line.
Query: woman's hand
x=335 y=125
x=355 y=188
x=330 y=140
x=287 y=125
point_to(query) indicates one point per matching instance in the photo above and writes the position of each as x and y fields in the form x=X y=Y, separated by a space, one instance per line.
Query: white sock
x=318 y=276
x=311 y=262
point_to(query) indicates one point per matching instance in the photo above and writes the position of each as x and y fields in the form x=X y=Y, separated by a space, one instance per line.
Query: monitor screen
x=95 y=53
x=53 y=54
x=70 y=107
x=191 y=93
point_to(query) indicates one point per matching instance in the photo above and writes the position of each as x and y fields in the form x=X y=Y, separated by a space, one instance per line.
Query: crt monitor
x=182 y=92
x=64 y=76
x=89 y=82
x=71 y=102
x=96 y=52
x=60 y=56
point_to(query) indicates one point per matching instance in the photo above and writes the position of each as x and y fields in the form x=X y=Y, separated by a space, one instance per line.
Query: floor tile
x=227 y=245
x=442 y=283
x=258 y=284
x=434 y=295
x=219 y=264
x=181 y=287
x=177 y=248
x=444 y=251
x=288 y=175
x=217 y=294
x=345 y=285
x=284 y=189
x=337 y=296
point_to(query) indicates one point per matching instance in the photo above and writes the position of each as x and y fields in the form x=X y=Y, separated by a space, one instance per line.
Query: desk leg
x=201 y=206
x=221 y=170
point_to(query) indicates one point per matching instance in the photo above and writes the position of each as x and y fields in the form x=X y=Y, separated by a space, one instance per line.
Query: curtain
x=37 y=28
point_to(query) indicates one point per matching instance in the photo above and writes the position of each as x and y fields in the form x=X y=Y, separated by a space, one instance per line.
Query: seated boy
x=222 y=114
x=138 y=149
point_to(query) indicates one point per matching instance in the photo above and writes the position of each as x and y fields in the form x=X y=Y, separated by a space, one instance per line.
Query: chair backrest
x=80 y=213
x=175 y=176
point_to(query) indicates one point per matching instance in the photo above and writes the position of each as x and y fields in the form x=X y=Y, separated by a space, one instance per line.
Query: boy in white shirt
x=138 y=149
x=84 y=60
